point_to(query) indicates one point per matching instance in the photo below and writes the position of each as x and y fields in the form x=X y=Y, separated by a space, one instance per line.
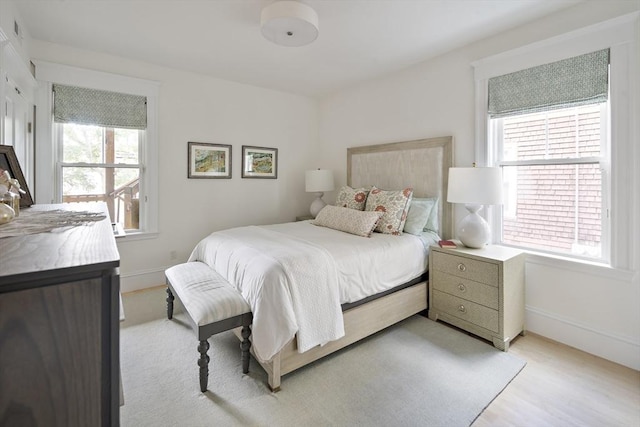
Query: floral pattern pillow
x=352 y=198
x=347 y=220
x=394 y=204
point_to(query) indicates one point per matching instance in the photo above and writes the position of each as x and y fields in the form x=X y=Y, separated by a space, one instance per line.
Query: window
x=547 y=130
x=552 y=171
x=102 y=164
x=103 y=129
x=99 y=136
x=616 y=164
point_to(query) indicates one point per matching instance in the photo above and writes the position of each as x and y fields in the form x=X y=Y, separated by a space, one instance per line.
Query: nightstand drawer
x=476 y=314
x=467 y=268
x=464 y=288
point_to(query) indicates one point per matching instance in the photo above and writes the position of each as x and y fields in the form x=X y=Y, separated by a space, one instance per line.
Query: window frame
x=620 y=36
x=61 y=164
x=495 y=143
x=47 y=157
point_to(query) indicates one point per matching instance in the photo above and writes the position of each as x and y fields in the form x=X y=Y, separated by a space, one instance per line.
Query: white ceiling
x=359 y=39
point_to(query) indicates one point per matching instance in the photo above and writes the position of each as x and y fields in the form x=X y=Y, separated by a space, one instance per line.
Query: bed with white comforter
x=296 y=275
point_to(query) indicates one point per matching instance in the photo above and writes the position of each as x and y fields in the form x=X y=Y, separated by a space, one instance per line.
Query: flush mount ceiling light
x=289 y=23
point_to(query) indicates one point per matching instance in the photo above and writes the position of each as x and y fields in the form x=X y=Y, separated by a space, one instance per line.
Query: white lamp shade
x=481 y=186
x=319 y=180
x=289 y=23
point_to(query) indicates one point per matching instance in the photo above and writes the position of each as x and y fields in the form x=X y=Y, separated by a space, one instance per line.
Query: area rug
x=415 y=373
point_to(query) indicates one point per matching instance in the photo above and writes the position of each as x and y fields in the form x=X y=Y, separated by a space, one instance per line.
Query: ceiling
x=359 y=39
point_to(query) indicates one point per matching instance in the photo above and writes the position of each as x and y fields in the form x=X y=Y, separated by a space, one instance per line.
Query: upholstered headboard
x=422 y=164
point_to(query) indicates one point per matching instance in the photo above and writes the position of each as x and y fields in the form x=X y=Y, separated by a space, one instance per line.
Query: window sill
x=138 y=235
x=579 y=266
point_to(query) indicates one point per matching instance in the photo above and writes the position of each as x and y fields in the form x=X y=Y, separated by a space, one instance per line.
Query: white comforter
x=296 y=275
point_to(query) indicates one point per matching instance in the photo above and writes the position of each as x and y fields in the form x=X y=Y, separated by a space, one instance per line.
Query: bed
x=345 y=287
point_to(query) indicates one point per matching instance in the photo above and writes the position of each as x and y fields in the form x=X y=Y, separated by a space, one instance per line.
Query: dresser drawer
x=471 y=312
x=464 y=288
x=467 y=268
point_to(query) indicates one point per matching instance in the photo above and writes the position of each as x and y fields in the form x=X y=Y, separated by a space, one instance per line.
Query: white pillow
x=352 y=221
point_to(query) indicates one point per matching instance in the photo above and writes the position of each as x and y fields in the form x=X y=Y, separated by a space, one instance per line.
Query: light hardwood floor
x=562 y=386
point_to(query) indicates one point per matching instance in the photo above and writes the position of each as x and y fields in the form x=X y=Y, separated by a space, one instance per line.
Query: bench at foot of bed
x=213 y=305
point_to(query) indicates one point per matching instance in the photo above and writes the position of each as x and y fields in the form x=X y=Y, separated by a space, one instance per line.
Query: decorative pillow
x=432 y=222
x=352 y=198
x=394 y=204
x=419 y=212
x=348 y=220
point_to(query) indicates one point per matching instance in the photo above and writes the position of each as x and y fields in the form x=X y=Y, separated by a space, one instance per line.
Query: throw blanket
x=290 y=284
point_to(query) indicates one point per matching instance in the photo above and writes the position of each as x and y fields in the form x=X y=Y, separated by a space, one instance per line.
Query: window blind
x=568 y=83
x=73 y=104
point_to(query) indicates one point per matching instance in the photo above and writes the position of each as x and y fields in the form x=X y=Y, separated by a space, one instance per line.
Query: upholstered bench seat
x=212 y=304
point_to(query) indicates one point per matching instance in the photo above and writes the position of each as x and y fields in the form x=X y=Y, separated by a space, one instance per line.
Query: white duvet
x=295 y=276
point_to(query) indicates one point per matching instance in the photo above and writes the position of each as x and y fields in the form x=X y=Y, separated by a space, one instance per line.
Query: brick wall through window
x=555 y=207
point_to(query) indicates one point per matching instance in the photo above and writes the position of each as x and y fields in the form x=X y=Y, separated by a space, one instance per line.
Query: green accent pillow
x=419 y=213
x=432 y=222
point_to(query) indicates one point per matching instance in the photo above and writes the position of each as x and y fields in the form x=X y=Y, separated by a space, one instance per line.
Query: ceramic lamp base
x=473 y=230
x=317 y=205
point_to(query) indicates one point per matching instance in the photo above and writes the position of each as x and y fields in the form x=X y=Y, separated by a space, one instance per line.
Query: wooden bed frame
x=421 y=164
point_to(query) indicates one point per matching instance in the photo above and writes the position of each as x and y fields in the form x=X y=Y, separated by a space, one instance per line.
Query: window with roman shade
x=100 y=135
x=99 y=107
x=548 y=128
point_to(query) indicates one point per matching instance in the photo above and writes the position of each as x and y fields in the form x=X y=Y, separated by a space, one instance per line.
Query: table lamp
x=474 y=187
x=318 y=181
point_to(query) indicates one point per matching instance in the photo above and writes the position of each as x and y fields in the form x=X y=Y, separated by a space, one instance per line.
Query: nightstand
x=303 y=217
x=478 y=290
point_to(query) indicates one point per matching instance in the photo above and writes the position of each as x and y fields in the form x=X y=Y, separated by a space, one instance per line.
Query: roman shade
x=73 y=104
x=572 y=82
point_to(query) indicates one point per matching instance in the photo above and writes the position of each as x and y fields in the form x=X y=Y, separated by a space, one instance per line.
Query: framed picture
x=259 y=162
x=9 y=162
x=209 y=160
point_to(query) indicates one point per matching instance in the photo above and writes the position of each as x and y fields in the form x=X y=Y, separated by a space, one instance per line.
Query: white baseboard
x=142 y=279
x=617 y=349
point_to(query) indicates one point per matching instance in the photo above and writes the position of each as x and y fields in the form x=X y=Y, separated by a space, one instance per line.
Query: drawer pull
x=461 y=287
x=462 y=267
x=462 y=308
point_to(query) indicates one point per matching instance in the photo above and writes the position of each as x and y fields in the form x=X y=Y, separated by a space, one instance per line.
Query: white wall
x=590 y=308
x=194 y=107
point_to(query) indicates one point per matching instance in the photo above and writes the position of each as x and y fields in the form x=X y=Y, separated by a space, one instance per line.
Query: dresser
x=478 y=290
x=59 y=325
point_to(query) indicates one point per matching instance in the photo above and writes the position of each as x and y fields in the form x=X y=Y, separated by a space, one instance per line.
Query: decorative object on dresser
x=480 y=291
x=59 y=326
x=209 y=160
x=9 y=162
x=474 y=187
x=259 y=162
x=318 y=181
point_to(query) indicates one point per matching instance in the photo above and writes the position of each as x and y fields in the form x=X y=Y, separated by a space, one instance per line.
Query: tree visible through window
x=102 y=164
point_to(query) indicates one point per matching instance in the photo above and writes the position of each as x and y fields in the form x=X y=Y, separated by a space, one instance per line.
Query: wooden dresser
x=478 y=290
x=59 y=326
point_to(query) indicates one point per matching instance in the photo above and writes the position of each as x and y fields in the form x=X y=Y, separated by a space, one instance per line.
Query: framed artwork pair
x=215 y=160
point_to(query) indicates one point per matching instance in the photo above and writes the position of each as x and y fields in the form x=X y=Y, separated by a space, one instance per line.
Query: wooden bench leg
x=245 y=345
x=169 y=300
x=203 y=362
